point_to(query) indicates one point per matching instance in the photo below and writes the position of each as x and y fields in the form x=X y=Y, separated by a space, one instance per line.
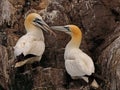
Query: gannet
x=77 y=63
x=32 y=43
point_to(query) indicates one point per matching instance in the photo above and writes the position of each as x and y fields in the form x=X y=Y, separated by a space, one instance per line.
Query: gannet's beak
x=42 y=25
x=65 y=29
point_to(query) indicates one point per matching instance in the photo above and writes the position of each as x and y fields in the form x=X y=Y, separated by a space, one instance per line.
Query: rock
x=99 y=22
x=49 y=78
x=43 y=4
x=95 y=24
x=7 y=12
x=109 y=61
x=40 y=78
x=4 y=77
x=18 y=2
x=12 y=38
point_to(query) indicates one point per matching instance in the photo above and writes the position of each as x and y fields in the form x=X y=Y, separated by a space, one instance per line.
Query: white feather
x=30 y=43
x=78 y=63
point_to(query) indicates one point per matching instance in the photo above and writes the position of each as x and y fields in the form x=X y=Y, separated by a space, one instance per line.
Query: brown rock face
x=53 y=78
x=109 y=60
x=3 y=68
x=99 y=22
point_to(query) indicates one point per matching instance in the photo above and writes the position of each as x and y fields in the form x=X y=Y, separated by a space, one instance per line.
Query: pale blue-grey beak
x=65 y=29
x=41 y=24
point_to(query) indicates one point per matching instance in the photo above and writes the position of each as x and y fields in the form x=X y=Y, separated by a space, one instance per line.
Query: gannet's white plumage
x=77 y=63
x=33 y=41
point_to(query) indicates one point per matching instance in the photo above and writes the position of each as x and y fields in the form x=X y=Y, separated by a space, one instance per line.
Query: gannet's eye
x=67 y=28
x=37 y=20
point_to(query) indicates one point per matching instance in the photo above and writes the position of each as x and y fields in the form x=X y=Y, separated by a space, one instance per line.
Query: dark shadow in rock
x=1 y=88
x=72 y=84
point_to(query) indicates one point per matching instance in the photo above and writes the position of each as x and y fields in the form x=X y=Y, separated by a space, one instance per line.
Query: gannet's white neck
x=75 y=40
x=74 y=43
x=37 y=33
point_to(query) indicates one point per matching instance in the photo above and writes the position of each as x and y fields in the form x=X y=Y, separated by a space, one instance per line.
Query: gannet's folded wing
x=84 y=63
x=88 y=62
x=73 y=69
x=78 y=63
x=29 y=45
x=37 y=48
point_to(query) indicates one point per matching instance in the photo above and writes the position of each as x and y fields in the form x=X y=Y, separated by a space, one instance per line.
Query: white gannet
x=77 y=63
x=32 y=43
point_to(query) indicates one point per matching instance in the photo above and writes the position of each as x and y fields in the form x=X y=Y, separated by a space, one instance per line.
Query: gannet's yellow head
x=35 y=22
x=72 y=30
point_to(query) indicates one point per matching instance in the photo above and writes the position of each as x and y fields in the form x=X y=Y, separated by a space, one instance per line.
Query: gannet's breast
x=29 y=44
x=78 y=63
